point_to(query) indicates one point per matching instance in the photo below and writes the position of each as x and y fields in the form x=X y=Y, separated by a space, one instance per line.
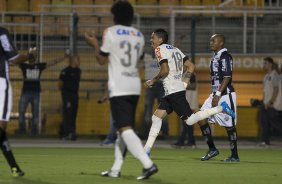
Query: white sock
x=200 y=115
x=154 y=132
x=135 y=147
x=120 y=148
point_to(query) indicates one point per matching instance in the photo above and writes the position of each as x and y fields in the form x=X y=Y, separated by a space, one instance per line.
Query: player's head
x=217 y=42
x=158 y=37
x=123 y=13
x=268 y=64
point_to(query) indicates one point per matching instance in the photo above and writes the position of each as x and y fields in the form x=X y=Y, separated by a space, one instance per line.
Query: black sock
x=6 y=149
x=206 y=132
x=232 y=137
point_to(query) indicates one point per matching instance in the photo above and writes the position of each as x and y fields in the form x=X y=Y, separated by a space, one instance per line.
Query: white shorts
x=221 y=118
x=5 y=99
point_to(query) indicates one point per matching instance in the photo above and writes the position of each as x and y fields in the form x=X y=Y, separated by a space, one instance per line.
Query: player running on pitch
x=171 y=61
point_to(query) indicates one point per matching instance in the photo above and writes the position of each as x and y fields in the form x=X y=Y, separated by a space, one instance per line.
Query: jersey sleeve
x=161 y=54
x=226 y=65
x=107 y=42
x=7 y=45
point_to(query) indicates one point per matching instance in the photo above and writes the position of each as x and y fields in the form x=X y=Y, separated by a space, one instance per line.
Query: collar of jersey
x=220 y=52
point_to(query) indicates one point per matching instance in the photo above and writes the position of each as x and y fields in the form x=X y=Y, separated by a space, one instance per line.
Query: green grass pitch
x=176 y=166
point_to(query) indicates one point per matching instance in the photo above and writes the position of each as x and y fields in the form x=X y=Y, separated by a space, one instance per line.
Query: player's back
x=173 y=82
x=125 y=45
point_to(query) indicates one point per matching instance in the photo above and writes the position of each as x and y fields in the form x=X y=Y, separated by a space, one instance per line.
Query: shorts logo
x=226 y=118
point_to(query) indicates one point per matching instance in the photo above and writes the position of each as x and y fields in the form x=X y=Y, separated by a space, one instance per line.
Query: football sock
x=206 y=132
x=135 y=147
x=232 y=137
x=7 y=152
x=154 y=132
x=120 y=152
x=201 y=115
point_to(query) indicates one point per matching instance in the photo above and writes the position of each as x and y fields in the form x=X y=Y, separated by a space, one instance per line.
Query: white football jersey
x=125 y=46
x=173 y=81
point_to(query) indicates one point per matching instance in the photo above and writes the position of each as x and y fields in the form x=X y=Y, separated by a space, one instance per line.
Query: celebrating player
x=122 y=47
x=172 y=61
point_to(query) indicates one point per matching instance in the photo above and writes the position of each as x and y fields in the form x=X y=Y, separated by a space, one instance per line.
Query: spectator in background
x=31 y=92
x=152 y=93
x=8 y=56
x=188 y=130
x=270 y=93
x=69 y=86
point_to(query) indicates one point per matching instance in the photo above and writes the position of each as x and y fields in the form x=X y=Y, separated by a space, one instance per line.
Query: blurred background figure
x=69 y=86
x=187 y=131
x=112 y=134
x=31 y=92
x=270 y=94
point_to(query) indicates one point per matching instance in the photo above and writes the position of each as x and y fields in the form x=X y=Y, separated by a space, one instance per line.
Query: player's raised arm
x=90 y=37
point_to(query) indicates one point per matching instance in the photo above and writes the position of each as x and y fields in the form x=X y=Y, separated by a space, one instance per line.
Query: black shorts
x=123 y=110
x=176 y=102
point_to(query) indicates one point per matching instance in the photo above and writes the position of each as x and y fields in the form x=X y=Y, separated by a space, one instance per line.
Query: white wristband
x=218 y=93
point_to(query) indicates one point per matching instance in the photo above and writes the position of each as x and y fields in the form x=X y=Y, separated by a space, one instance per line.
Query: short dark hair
x=123 y=13
x=268 y=59
x=162 y=34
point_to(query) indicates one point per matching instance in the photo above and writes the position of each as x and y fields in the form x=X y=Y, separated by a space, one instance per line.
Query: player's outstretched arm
x=91 y=39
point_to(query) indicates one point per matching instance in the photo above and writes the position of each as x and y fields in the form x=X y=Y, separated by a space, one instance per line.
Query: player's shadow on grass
x=132 y=178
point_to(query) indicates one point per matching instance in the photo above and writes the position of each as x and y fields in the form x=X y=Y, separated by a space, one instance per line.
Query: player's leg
x=157 y=118
x=120 y=152
x=7 y=152
x=207 y=134
x=5 y=110
x=232 y=137
x=182 y=108
x=123 y=110
x=204 y=114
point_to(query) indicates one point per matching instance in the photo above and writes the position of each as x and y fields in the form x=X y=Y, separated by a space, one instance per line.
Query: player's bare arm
x=91 y=39
x=222 y=87
x=189 y=69
x=164 y=70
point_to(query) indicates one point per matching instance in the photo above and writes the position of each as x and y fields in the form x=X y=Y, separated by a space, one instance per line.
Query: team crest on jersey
x=226 y=118
x=158 y=53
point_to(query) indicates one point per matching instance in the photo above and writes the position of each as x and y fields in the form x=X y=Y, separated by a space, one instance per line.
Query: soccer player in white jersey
x=8 y=56
x=121 y=48
x=172 y=63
